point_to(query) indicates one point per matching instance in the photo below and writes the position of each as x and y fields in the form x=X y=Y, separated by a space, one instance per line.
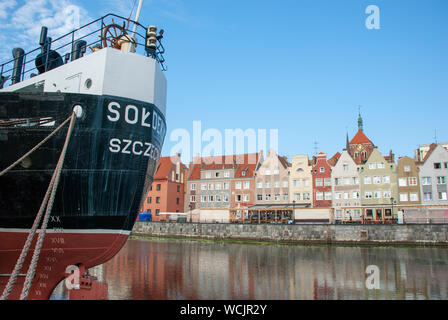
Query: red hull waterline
x=88 y=248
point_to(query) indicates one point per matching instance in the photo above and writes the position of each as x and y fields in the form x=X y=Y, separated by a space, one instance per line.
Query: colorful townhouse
x=272 y=180
x=301 y=181
x=346 y=189
x=379 y=192
x=408 y=183
x=433 y=176
x=321 y=173
x=167 y=192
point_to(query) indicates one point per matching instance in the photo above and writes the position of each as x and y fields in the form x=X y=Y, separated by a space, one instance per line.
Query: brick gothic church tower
x=360 y=147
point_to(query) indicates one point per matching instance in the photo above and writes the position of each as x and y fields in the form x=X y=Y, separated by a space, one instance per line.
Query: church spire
x=360 y=127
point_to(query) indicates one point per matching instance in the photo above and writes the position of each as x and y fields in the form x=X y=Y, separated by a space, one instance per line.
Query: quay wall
x=422 y=234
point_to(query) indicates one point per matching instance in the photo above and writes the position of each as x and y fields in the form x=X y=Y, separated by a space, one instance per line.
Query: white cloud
x=20 y=24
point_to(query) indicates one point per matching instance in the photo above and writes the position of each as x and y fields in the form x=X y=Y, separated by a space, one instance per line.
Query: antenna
x=315 y=147
x=435 y=135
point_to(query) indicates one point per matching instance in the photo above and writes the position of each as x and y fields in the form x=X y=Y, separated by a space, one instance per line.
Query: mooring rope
x=35 y=148
x=48 y=198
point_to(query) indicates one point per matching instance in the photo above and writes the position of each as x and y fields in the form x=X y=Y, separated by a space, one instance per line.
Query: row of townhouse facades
x=357 y=184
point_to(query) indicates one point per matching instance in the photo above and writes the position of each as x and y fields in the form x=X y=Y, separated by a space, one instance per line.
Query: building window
x=402 y=182
x=347 y=181
x=246 y=184
x=345 y=195
x=218 y=186
x=226 y=186
x=193 y=186
x=218 y=198
x=372 y=165
x=407 y=169
x=203 y=198
x=381 y=165
x=211 y=198
x=295 y=183
x=192 y=198
x=338 y=195
x=267 y=172
x=285 y=197
x=276 y=184
x=321 y=169
x=319 y=196
x=178 y=188
x=376 y=180
x=246 y=197
x=426 y=181
x=177 y=200
x=259 y=197
x=267 y=197
x=208 y=175
x=437 y=165
x=367 y=180
x=386 y=179
x=297 y=196
x=327 y=182
x=157 y=212
x=412 y=181
x=345 y=167
x=327 y=195
x=158 y=200
x=259 y=184
x=217 y=174
x=267 y=184
x=377 y=194
x=149 y=211
x=403 y=197
x=238 y=198
x=427 y=196
x=441 y=180
x=355 y=195
x=276 y=171
x=149 y=199
x=306 y=196
x=442 y=196
x=413 y=196
x=277 y=197
x=238 y=185
x=355 y=180
x=386 y=194
x=204 y=186
x=158 y=187
x=306 y=182
x=369 y=213
x=319 y=182
x=368 y=195
x=285 y=183
x=226 y=174
x=225 y=198
x=336 y=181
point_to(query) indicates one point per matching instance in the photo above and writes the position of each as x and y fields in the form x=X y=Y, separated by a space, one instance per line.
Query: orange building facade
x=167 y=193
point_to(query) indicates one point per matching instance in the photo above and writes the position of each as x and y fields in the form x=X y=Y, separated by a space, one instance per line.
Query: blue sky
x=299 y=66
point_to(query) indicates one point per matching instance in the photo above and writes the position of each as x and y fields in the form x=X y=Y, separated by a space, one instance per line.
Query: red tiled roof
x=247 y=164
x=163 y=169
x=333 y=160
x=284 y=161
x=360 y=137
x=431 y=149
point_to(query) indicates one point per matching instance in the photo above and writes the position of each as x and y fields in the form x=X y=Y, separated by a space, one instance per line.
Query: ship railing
x=97 y=34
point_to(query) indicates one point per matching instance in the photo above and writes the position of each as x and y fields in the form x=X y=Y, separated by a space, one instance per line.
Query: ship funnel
x=43 y=36
x=78 y=49
x=18 y=55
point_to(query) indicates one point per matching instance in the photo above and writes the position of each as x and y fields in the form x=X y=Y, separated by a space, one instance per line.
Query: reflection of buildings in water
x=197 y=270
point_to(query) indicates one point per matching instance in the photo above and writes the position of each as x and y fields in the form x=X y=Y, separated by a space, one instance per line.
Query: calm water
x=169 y=269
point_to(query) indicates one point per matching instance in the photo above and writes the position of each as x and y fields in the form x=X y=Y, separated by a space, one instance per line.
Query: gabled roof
x=333 y=160
x=431 y=149
x=163 y=169
x=246 y=163
x=360 y=137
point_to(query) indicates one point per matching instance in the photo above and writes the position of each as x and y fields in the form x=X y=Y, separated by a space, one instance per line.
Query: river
x=181 y=269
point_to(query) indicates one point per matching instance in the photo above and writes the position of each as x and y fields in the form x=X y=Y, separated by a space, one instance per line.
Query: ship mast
x=137 y=17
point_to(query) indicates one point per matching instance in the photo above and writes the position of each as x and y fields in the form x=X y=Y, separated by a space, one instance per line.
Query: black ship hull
x=110 y=162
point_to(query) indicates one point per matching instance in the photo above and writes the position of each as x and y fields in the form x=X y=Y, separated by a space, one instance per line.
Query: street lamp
x=392 y=200
x=190 y=206
x=293 y=206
